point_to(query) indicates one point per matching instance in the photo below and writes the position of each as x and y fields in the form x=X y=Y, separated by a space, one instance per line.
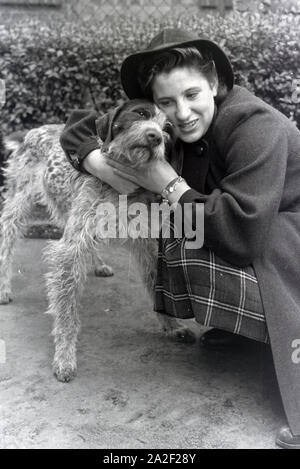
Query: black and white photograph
x=149 y=227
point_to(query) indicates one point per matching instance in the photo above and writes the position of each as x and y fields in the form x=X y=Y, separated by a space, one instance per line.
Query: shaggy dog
x=38 y=170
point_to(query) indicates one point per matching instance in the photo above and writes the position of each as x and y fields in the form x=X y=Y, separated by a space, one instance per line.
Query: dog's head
x=135 y=132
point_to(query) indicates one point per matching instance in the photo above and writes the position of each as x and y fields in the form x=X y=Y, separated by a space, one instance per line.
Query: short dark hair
x=179 y=57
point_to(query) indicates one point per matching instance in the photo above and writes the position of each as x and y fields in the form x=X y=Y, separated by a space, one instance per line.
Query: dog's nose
x=153 y=137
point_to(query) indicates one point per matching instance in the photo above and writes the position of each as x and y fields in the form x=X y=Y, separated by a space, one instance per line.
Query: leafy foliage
x=52 y=68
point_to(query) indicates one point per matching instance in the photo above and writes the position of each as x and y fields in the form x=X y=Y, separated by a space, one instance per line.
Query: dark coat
x=252 y=216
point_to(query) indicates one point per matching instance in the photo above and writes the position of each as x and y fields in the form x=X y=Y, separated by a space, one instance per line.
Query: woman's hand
x=154 y=176
x=96 y=164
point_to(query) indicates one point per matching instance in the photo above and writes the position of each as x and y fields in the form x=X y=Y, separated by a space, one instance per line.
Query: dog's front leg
x=63 y=283
x=69 y=259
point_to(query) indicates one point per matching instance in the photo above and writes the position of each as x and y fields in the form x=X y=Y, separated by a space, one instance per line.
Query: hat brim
x=129 y=68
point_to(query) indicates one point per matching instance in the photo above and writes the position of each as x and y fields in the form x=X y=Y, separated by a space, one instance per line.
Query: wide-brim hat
x=168 y=39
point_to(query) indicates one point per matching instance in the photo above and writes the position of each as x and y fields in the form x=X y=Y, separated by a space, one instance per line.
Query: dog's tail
x=13 y=142
x=9 y=145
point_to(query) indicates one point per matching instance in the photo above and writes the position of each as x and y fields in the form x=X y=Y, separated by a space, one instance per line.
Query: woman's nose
x=182 y=111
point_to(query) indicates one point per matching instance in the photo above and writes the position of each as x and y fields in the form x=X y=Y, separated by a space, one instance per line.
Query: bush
x=53 y=68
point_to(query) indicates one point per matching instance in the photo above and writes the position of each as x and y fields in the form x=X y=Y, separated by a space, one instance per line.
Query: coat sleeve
x=79 y=137
x=239 y=213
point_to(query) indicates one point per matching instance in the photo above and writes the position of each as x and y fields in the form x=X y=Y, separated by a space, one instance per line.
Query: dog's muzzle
x=154 y=138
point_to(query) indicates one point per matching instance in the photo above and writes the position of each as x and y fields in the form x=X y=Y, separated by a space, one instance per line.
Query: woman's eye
x=192 y=95
x=165 y=103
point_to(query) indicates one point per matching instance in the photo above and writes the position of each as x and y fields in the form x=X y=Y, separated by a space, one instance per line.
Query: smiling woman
x=239 y=157
x=188 y=100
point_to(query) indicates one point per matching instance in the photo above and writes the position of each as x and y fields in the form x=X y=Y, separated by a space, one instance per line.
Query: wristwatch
x=171 y=188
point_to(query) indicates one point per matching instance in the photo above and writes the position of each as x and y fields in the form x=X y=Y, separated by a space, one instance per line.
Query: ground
x=135 y=388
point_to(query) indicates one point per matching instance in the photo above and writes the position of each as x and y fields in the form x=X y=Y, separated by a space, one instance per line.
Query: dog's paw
x=64 y=373
x=104 y=271
x=5 y=297
x=182 y=334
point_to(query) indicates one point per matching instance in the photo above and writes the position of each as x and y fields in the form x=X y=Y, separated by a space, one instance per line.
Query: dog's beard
x=137 y=154
x=141 y=155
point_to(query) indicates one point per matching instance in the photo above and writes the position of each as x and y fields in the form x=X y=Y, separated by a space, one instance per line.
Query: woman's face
x=187 y=98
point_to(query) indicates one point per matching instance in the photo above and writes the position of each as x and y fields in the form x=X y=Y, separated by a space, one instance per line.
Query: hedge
x=50 y=69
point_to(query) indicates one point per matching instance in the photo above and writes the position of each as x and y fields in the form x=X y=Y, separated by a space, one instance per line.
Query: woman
x=240 y=158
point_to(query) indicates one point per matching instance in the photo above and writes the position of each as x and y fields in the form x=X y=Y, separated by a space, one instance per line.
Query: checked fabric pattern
x=196 y=283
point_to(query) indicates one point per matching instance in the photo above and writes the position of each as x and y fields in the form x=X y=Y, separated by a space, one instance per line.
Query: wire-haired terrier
x=38 y=171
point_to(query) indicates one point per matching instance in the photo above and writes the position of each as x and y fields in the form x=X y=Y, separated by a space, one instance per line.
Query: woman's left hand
x=153 y=176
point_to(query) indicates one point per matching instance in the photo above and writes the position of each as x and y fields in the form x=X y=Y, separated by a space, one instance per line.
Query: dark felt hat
x=168 y=39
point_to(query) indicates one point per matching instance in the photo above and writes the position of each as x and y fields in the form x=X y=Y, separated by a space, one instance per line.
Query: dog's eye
x=143 y=113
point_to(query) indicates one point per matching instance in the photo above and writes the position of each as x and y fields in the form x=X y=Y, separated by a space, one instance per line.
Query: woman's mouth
x=188 y=126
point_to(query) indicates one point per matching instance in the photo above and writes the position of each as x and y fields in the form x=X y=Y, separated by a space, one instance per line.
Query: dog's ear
x=104 y=125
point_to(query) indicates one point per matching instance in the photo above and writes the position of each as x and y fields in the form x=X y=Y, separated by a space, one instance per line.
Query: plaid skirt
x=195 y=283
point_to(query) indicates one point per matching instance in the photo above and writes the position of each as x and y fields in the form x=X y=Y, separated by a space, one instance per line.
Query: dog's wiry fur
x=39 y=171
